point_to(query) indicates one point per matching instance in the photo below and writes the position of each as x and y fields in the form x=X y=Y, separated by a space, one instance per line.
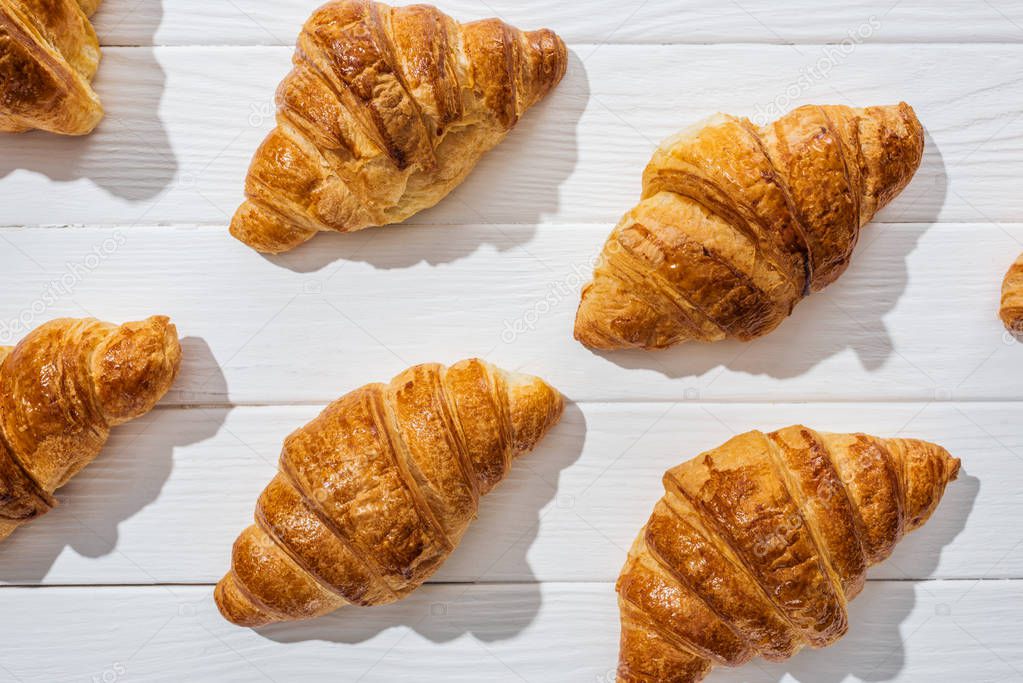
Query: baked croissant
x=48 y=56
x=385 y=112
x=61 y=390
x=375 y=493
x=737 y=224
x=1012 y=298
x=757 y=546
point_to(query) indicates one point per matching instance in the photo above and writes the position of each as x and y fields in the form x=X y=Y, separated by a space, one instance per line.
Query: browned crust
x=385 y=111
x=1011 y=310
x=61 y=390
x=48 y=55
x=377 y=491
x=738 y=224
x=758 y=545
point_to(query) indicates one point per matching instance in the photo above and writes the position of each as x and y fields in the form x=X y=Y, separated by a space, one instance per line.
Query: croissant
x=61 y=390
x=737 y=224
x=1012 y=298
x=757 y=546
x=48 y=56
x=375 y=493
x=385 y=112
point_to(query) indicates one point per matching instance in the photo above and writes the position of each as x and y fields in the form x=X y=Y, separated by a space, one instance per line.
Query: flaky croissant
x=48 y=56
x=757 y=546
x=1011 y=311
x=375 y=493
x=61 y=390
x=737 y=224
x=385 y=112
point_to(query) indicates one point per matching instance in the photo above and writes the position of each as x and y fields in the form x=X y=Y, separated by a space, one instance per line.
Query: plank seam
x=581 y=582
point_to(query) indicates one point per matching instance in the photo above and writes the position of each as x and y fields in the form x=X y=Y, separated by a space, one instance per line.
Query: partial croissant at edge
x=62 y=388
x=1011 y=311
x=738 y=223
x=375 y=493
x=758 y=545
x=384 y=113
x=49 y=54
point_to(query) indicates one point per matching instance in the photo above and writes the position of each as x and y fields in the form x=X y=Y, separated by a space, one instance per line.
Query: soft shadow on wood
x=130 y=84
x=445 y=612
x=874 y=648
x=853 y=304
x=542 y=152
x=127 y=476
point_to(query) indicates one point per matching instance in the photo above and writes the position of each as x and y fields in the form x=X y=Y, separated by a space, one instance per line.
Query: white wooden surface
x=115 y=584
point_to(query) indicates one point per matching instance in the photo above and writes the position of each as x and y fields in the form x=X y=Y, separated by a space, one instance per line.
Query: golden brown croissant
x=737 y=224
x=61 y=390
x=1012 y=298
x=385 y=112
x=48 y=56
x=757 y=546
x=375 y=493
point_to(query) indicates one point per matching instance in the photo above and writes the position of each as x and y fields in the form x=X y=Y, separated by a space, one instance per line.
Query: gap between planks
x=593 y=45
x=207 y=584
x=629 y=401
x=606 y=226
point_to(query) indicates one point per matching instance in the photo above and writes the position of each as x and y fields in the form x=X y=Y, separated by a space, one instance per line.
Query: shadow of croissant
x=530 y=165
x=448 y=608
x=129 y=154
x=856 y=304
x=874 y=648
x=127 y=476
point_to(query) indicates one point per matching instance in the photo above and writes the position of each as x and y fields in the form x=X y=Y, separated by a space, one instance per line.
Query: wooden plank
x=914 y=318
x=183 y=123
x=167 y=499
x=190 y=22
x=945 y=632
x=906 y=343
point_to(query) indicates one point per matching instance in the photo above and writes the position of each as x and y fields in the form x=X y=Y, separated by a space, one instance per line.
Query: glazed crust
x=1011 y=311
x=737 y=224
x=61 y=390
x=757 y=546
x=375 y=493
x=385 y=112
x=48 y=55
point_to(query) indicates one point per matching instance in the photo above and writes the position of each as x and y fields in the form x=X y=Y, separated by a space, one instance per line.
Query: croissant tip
x=592 y=330
x=1012 y=318
x=953 y=466
x=536 y=407
x=235 y=607
x=266 y=232
x=555 y=52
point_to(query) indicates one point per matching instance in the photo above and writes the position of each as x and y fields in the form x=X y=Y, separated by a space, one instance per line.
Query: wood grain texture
x=169 y=495
x=945 y=632
x=195 y=22
x=143 y=206
x=179 y=133
x=914 y=318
